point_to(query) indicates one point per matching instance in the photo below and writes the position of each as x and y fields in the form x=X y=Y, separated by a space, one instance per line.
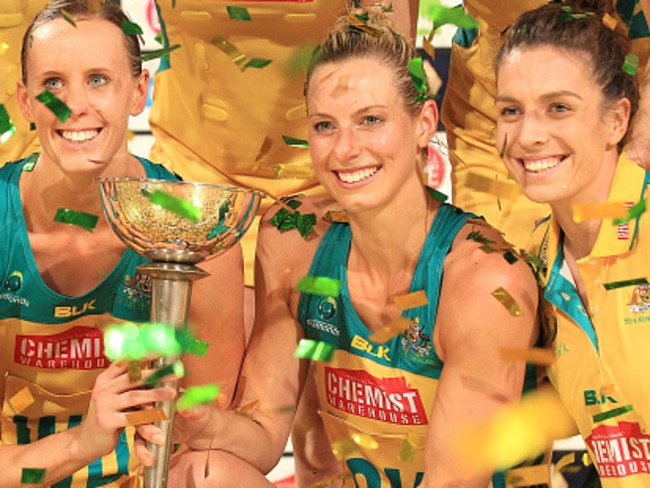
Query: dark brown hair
x=79 y=10
x=581 y=27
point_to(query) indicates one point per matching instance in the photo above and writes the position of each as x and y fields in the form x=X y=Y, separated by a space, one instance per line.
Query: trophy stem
x=170 y=304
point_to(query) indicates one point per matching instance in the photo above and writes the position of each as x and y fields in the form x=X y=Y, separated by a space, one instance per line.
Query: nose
x=77 y=100
x=347 y=146
x=533 y=130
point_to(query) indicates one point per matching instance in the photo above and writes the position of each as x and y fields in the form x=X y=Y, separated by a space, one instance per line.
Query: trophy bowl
x=177 y=221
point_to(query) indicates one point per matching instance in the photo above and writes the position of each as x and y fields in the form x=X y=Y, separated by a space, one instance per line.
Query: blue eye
x=52 y=84
x=98 y=80
x=323 y=126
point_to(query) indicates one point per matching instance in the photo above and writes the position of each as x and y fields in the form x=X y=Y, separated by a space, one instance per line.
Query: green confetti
x=457 y=16
x=478 y=237
x=510 y=256
x=635 y=211
x=180 y=207
x=293 y=142
x=314 y=350
x=257 y=63
x=191 y=345
x=82 y=219
x=7 y=126
x=130 y=341
x=502 y=151
x=285 y=220
x=196 y=395
x=631 y=64
x=622 y=284
x=50 y=100
x=599 y=417
x=32 y=476
x=238 y=13
x=437 y=195
x=319 y=285
x=176 y=368
x=416 y=70
x=131 y=29
x=66 y=15
x=32 y=126
x=568 y=14
x=159 y=53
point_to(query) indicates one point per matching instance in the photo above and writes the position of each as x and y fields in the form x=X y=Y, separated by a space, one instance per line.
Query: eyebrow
x=545 y=96
x=361 y=111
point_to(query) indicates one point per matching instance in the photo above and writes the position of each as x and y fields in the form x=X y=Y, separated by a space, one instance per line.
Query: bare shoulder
x=290 y=233
x=482 y=257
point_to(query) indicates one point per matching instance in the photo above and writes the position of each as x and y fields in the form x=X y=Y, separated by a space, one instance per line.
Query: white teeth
x=540 y=165
x=79 y=136
x=357 y=176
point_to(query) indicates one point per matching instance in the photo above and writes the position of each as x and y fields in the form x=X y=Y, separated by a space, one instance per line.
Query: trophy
x=176 y=225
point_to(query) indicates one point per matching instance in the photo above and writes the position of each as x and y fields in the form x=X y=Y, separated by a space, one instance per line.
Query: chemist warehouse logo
x=621 y=450
x=389 y=399
x=78 y=348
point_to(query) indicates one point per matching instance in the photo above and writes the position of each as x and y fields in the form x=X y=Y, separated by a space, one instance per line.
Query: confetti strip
x=359 y=23
x=135 y=342
x=437 y=195
x=457 y=16
x=132 y=29
x=622 y=284
x=416 y=70
x=597 y=211
x=389 y=331
x=314 y=350
x=498 y=188
x=319 y=285
x=230 y=50
x=293 y=142
x=159 y=53
x=286 y=219
x=21 y=400
x=599 y=417
x=536 y=355
x=32 y=476
x=409 y=448
x=68 y=18
x=336 y=216
x=50 y=100
x=507 y=301
x=411 y=300
x=257 y=63
x=191 y=345
x=249 y=407
x=176 y=368
x=633 y=212
x=517 y=432
x=197 y=395
x=134 y=371
x=564 y=462
x=147 y=416
x=539 y=474
x=180 y=207
x=7 y=126
x=631 y=64
x=609 y=21
x=292 y=170
x=341 y=449
x=502 y=151
x=81 y=219
x=238 y=13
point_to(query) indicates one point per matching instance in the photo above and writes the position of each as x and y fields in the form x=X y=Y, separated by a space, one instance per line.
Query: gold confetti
x=609 y=21
x=409 y=448
x=535 y=355
x=565 y=461
x=539 y=474
x=336 y=216
x=135 y=371
x=389 y=331
x=21 y=400
x=515 y=433
x=507 y=301
x=230 y=50
x=501 y=189
x=411 y=300
x=596 y=211
x=245 y=409
x=341 y=449
x=138 y=417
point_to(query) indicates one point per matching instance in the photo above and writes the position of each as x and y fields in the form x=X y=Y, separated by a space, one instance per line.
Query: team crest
x=416 y=343
x=640 y=300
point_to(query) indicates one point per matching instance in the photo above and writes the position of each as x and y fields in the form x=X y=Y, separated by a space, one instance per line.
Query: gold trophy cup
x=176 y=225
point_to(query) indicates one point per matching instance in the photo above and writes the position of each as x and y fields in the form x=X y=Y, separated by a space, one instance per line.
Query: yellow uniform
x=215 y=120
x=602 y=359
x=479 y=179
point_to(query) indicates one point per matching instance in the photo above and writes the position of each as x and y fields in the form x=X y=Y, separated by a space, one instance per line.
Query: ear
x=141 y=91
x=620 y=120
x=427 y=124
x=23 y=101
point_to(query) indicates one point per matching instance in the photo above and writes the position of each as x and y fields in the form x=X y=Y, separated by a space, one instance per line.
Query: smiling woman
x=566 y=97
x=68 y=276
x=390 y=349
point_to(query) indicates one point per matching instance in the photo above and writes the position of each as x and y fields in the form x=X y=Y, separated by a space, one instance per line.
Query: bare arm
x=217 y=318
x=271 y=378
x=70 y=450
x=470 y=345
